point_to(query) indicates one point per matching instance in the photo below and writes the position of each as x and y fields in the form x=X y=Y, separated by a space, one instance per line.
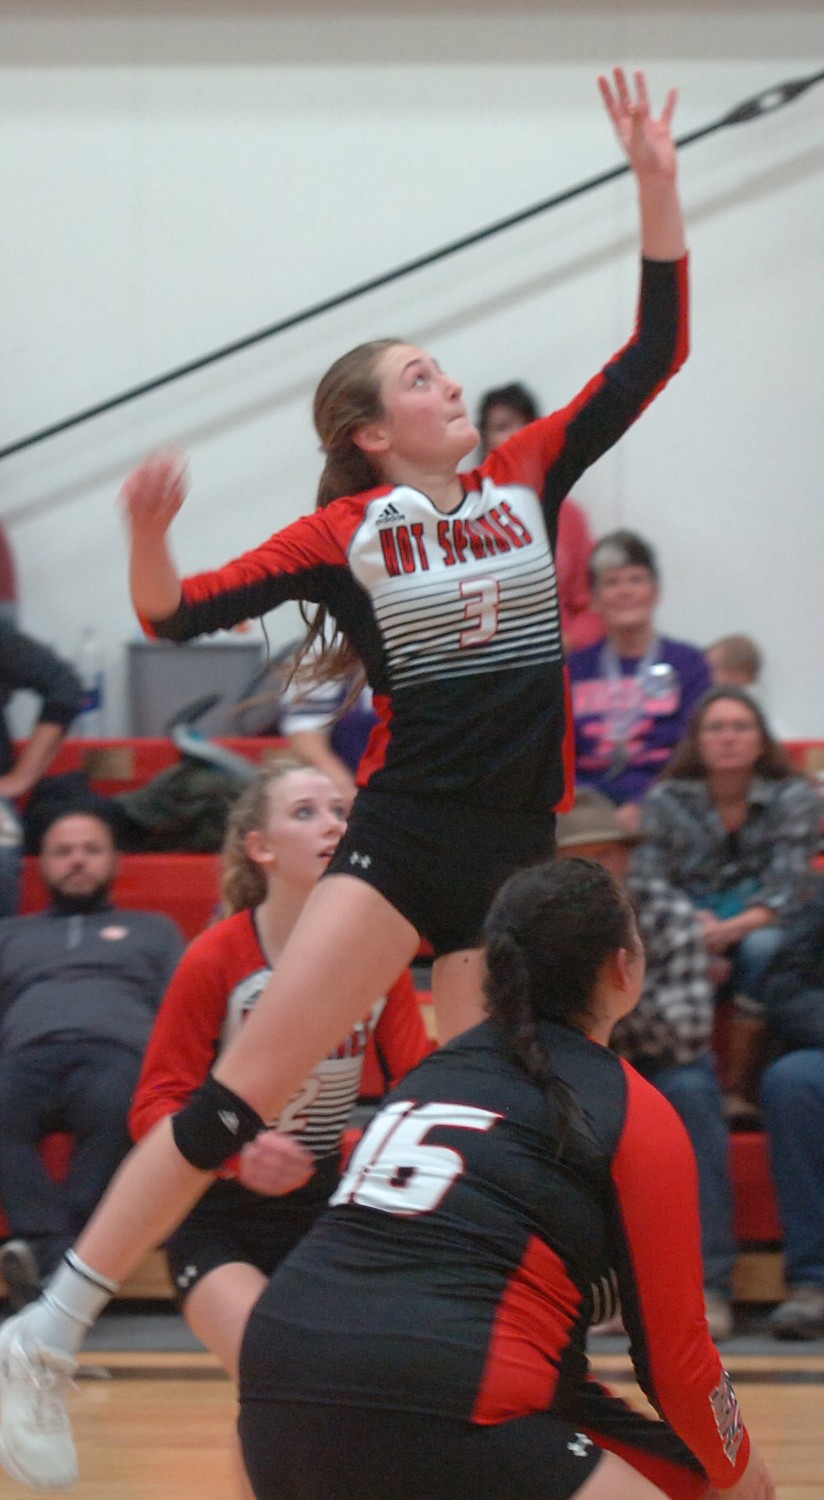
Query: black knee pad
x=214 y=1125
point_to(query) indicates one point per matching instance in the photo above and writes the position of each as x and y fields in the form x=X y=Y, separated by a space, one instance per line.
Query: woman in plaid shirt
x=731 y=826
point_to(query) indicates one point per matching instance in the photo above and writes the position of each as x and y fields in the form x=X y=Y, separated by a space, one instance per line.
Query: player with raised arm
x=443 y=583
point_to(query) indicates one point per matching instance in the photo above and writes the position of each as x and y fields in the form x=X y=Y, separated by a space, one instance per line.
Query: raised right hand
x=647 y=140
x=154 y=493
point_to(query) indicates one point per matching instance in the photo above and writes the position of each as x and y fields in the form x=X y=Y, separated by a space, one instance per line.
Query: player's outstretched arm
x=650 y=150
x=151 y=498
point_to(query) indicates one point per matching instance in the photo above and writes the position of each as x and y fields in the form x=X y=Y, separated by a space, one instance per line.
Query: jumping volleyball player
x=443 y=583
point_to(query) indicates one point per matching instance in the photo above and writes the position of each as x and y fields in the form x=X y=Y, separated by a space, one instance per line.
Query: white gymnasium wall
x=175 y=175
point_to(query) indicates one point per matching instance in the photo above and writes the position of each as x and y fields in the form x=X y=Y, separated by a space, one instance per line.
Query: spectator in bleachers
x=328 y=724
x=668 y=1037
x=792 y=1092
x=633 y=691
x=26 y=664
x=79 y=988
x=501 y=413
x=734 y=661
x=734 y=828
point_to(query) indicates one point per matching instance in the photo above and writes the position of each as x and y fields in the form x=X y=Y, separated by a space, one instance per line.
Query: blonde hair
x=243 y=883
x=348 y=397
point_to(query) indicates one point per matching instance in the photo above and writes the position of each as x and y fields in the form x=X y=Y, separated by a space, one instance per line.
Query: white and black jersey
x=456 y=616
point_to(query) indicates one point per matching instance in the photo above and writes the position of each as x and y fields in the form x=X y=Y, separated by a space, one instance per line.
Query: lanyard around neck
x=626 y=708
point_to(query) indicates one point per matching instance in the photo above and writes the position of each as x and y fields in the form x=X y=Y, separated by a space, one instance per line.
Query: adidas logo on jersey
x=389 y=513
x=228 y=1118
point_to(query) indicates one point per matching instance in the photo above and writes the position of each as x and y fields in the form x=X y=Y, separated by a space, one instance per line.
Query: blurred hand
x=755 y=1483
x=647 y=142
x=154 y=493
x=273 y=1164
x=716 y=933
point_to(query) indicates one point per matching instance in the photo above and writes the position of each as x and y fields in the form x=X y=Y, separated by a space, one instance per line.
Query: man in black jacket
x=80 y=985
x=793 y=1099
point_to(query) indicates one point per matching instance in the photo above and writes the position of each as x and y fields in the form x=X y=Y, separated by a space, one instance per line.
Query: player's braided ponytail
x=547 y=935
x=508 y=988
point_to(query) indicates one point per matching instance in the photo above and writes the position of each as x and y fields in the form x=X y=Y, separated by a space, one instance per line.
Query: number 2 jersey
x=217 y=983
x=455 y=616
x=473 y=1240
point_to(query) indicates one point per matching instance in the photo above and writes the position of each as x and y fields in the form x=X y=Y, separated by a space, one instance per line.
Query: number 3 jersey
x=474 y=1238
x=455 y=616
x=218 y=981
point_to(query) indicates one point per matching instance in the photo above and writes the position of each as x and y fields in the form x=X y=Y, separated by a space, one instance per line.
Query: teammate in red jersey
x=444 y=585
x=282 y=832
x=427 y=1338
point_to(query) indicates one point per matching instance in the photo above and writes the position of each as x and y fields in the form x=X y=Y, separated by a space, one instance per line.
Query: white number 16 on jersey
x=393 y=1168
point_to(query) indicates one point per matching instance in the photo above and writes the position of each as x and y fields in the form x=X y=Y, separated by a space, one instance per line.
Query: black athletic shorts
x=439 y=860
x=293 y=1451
x=231 y=1224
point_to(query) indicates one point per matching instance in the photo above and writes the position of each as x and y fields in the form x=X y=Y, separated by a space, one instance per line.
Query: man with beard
x=80 y=985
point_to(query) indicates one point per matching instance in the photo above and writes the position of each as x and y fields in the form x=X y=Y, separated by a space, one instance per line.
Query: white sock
x=73 y=1299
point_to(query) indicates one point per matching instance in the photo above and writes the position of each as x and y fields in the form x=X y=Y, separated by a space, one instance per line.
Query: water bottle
x=89 y=664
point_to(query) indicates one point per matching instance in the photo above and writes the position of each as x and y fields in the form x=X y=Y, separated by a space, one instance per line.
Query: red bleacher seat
x=184 y=886
x=755 y=1208
x=807 y=755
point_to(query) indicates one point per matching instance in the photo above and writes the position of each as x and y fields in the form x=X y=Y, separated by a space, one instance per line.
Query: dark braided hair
x=547 y=935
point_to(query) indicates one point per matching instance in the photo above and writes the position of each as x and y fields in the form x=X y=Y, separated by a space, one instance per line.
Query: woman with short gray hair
x=634 y=690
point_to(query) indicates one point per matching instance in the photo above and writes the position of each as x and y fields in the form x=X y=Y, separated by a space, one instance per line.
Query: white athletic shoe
x=36 y=1443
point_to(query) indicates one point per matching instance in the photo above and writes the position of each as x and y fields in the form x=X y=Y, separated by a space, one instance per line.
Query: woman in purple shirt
x=633 y=691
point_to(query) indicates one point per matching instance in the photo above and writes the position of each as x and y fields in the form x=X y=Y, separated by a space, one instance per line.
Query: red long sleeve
x=660 y=1273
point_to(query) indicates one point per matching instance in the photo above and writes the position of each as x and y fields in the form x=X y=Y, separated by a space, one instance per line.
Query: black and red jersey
x=216 y=985
x=455 y=616
x=474 y=1238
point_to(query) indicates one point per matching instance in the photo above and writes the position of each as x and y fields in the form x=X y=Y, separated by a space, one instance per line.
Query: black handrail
x=750 y=109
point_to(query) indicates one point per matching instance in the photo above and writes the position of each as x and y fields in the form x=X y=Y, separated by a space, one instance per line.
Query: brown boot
x=746 y=1055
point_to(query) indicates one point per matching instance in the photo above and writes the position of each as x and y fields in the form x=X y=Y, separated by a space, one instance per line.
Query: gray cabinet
x=163 y=678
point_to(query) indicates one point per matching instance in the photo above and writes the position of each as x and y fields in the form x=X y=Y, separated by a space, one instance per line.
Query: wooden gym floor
x=159 y=1427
